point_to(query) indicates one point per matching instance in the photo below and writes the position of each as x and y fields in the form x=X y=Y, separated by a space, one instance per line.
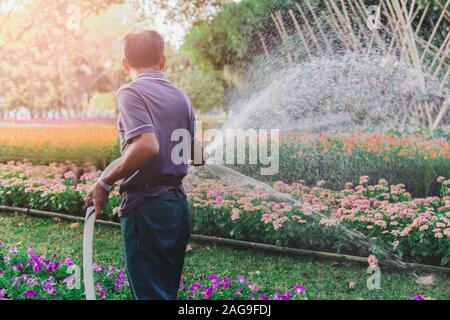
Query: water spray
x=88 y=238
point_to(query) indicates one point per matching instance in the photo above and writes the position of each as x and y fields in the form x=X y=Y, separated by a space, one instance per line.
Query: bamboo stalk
x=445 y=49
x=374 y=35
x=421 y=41
x=279 y=17
x=275 y=21
x=299 y=32
x=402 y=14
x=414 y=16
x=435 y=29
x=319 y=26
x=337 y=30
x=422 y=18
x=308 y=26
x=411 y=9
x=447 y=14
x=332 y=21
x=441 y=113
x=281 y=23
x=395 y=26
x=444 y=80
x=263 y=43
x=347 y=25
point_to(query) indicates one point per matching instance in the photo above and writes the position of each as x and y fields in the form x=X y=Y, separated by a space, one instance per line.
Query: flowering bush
x=416 y=228
x=26 y=275
x=415 y=160
x=214 y=287
x=95 y=143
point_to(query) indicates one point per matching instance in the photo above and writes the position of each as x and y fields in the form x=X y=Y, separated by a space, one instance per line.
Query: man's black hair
x=143 y=49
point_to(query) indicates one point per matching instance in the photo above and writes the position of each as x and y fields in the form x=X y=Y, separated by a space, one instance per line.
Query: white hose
x=88 y=239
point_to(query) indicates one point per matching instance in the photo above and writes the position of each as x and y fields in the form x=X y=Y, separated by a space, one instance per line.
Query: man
x=154 y=209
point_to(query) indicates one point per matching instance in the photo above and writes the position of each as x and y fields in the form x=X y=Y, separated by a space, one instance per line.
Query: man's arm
x=141 y=150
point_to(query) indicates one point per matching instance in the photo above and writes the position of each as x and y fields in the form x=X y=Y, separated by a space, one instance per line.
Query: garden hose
x=88 y=239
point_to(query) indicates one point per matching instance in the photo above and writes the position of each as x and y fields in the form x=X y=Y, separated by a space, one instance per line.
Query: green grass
x=323 y=279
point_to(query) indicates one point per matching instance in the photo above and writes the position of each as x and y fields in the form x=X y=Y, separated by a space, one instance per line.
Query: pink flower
x=69 y=175
x=235 y=214
x=373 y=262
x=220 y=199
x=363 y=180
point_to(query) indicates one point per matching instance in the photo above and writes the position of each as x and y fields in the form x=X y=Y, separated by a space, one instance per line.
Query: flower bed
x=94 y=143
x=26 y=275
x=415 y=160
x=416 y=228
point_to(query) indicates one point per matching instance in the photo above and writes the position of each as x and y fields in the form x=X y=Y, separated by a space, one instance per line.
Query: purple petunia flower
x=68 y=262
x=226 y=283
x=19 y=267
x=120 y=277
x=24 y=277
x=242 y=280
x=264 y=297
x=96 y=267
x=194 y=287
x=237 y=292
x=2 y=293
x=70 y=281
x=418 y=298
x=30 y=294
x=279 y=296
x=207 y=293
x=102 y=293
x=254 y=288
x=215 y=281
x=299 y=289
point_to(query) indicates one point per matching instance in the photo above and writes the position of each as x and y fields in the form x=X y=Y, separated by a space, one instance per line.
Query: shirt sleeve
x=135 y=116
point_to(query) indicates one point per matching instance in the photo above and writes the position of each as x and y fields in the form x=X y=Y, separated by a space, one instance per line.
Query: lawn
x=323 y=279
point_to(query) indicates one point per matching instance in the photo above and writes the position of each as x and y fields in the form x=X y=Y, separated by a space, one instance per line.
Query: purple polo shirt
x=151 y=103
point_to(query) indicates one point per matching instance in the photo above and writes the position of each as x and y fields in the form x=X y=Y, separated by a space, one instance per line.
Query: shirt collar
x=152 y=74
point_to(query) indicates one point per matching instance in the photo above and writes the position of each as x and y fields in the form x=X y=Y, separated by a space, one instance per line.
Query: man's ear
x=126 y=65
x=162 y=62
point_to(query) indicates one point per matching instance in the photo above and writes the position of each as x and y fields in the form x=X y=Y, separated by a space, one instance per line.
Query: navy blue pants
x=155 y=236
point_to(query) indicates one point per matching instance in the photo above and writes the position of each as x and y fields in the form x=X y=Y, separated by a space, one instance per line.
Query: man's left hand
x=99 y=196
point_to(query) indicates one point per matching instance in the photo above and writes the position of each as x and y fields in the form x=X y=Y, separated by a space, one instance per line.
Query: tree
x=72 y=52
x=185 y=11
x=205 y=89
